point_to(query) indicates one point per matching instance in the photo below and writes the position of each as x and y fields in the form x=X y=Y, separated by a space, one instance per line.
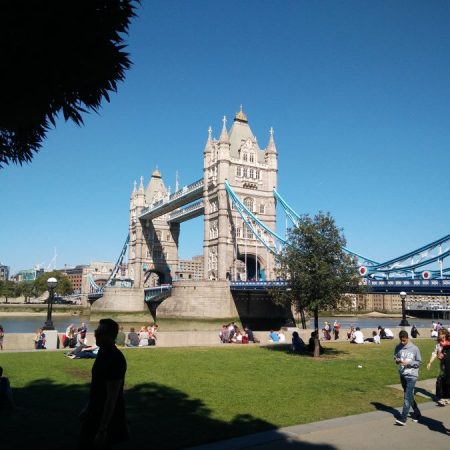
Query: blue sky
x=358 y=93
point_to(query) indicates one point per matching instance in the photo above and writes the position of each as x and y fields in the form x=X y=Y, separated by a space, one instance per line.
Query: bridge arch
x=155 y=277
x=255 y=266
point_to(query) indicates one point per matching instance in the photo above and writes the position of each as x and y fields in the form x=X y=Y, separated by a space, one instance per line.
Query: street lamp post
x=51 y=284
x=403 y=322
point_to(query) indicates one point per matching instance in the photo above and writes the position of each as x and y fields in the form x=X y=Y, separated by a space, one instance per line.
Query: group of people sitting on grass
x=145 y=337
x=356 y=336
x=75 y=337
x=231 y=334
x=299 y=346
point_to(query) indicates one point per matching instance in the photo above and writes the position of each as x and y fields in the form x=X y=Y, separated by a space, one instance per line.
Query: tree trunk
x=303 y=317
x=316 y=331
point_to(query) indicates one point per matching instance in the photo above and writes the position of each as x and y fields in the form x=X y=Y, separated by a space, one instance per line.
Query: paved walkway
x=375 y=430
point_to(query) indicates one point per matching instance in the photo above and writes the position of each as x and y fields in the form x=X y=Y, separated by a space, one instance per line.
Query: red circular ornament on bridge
x=426 y=275
x=362 y=271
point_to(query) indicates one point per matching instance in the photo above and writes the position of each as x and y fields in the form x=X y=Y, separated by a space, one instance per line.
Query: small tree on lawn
x=318 y=269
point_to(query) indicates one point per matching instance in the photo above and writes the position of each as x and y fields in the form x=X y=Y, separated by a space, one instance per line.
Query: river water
x=28 y=324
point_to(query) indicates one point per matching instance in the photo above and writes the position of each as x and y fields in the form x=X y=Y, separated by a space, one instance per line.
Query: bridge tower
x=153 y=248
x=229 y=247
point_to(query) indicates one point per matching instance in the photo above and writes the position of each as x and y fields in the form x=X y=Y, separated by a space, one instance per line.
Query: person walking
x=103 y=419
x=407 y=357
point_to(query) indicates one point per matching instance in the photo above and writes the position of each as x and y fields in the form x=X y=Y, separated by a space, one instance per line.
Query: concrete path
x=375 y=430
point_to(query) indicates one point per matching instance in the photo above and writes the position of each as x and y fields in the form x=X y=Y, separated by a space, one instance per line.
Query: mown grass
x=187 y=396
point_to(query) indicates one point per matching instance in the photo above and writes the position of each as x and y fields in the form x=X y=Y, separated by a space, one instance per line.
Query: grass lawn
x=182 y=397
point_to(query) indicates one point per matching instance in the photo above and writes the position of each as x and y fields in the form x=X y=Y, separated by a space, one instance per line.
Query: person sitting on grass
x=358 y=337
x=224 y=335
x=85 y=353
x=385 y=333
x=375 y=339
x=273 y=337
x=143 y=337
x=250 y=335
x=132 y=338
x=120 y=339
x=351 y=333
x=298 y=345
x=39 y=339
x=312 y=343
x=151 y=335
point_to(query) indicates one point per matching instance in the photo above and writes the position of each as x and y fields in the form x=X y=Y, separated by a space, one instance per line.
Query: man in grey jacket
x=408 y=358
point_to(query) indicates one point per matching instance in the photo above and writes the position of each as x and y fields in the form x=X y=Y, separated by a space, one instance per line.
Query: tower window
x=262 y=208
x=248 y=202
x=245 y=156
x=252 y=157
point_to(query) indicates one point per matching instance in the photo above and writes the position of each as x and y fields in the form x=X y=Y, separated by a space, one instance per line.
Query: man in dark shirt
x=103 y=419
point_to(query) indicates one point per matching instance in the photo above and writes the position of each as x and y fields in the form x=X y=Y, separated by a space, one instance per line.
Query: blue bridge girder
x=157 y=294
x=410 y=286
x=178 y=199
x=436 y=287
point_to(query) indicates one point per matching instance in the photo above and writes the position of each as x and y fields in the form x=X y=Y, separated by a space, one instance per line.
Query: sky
x=358 y=94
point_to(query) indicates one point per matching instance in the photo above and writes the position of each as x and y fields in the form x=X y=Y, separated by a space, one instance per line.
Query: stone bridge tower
x=153 y=248
x=230 y=249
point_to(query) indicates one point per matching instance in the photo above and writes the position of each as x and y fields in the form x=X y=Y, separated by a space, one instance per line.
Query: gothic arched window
x=248 y=202
x=252 y=157
x=245 y=156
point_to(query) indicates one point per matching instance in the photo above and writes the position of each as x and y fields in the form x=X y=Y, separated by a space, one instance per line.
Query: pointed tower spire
x=134 y=186
x=271 y=148
x=208 y=142
x=224 y=134
x=141 y=184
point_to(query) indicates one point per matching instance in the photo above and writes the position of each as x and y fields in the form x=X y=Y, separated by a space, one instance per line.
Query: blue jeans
x=408 y=384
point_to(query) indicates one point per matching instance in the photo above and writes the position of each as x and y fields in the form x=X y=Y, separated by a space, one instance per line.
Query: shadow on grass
x=160 y=418
x=287 y=348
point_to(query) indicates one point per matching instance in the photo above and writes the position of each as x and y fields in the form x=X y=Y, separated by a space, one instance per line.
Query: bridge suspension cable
x=96 y=291
x=268 y=237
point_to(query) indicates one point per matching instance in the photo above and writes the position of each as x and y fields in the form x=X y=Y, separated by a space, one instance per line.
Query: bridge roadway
x=178 y=199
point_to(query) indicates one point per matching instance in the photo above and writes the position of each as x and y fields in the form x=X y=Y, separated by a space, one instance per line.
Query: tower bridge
x=237 y=197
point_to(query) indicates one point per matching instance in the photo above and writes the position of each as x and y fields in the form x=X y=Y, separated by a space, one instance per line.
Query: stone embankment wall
x=24 y=341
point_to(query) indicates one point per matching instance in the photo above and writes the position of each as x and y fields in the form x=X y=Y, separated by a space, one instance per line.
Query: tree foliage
x=318 y=269
x=57 y=56
x=64 y=286
x=9 y=289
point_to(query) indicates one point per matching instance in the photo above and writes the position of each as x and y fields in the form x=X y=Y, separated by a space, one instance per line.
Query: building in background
x=190 y=269
x=99 y=272
x=28 y=275
x=75 y=275
x=4 y=272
